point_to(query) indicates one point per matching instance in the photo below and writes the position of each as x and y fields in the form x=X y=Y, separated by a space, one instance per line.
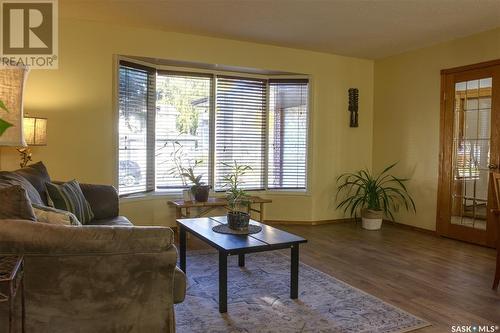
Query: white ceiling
x=360 y=28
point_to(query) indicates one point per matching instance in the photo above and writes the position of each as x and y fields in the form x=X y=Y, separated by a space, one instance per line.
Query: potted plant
x=375 y=196
x=199 y=190
x=237 y=198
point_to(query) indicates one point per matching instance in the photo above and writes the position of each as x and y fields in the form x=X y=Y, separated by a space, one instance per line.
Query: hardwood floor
x=443 y=281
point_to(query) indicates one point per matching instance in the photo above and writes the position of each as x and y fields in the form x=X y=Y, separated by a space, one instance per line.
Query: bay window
x=172 y=119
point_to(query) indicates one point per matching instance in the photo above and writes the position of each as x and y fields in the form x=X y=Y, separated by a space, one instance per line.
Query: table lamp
x=35 y=134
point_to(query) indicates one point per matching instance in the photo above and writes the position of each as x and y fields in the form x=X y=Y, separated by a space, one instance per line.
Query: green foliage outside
x=181 y=94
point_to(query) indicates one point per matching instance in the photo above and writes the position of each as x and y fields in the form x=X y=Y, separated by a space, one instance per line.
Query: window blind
x=288 y=123
x=136 y=128
x=182 y=127
x=240 y=129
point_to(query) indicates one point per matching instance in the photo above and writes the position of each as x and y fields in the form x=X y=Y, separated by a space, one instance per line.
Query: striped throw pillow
x=69 y=197
x=52 y=215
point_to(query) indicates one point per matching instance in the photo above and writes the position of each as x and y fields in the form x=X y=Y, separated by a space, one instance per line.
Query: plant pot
x=200 y=192
x=371 y=219
x=238 y=220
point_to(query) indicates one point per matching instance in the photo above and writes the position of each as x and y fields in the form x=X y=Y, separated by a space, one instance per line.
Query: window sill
x=156 y=195
x=296 y=193
x=172 y=195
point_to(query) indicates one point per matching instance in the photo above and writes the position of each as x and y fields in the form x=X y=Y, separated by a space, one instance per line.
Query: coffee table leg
x=294 y=272
x=222 y=282
x=182 y=245
x=241 y=260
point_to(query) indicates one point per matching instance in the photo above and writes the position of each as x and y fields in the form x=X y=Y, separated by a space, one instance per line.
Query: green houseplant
x=236 y=197
x=199 y=190
x=375 y=196
x=4 y=125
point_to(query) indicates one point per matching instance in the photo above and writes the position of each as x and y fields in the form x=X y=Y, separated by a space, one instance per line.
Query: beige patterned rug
x=258 y=300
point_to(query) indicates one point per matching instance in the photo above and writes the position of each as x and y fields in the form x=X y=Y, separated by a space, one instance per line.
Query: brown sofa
x=109 y=276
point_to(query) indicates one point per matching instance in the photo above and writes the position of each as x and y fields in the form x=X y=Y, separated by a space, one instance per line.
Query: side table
x=11 y=283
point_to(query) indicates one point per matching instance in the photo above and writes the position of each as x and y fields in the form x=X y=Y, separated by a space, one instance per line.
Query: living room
x=370 y=85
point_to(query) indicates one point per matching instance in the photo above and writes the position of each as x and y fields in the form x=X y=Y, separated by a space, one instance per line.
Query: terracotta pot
x=200 y=192
x=238 y=220
x=371 y=219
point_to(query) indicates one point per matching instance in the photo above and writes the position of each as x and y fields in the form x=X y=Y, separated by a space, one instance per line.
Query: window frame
x=212 y=116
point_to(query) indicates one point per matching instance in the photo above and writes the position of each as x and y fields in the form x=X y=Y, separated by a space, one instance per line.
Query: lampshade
x=12 y=80
x=35 y=131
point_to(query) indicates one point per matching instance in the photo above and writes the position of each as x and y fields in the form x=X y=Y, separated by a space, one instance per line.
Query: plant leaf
x=4 y=125
x=389 y=167
x=3 y=107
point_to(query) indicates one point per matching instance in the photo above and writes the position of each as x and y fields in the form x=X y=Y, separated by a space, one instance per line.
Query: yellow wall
x=406 y=114
x=78 y=101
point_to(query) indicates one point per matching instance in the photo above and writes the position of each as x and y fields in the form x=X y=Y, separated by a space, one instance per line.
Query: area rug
x=258 y=300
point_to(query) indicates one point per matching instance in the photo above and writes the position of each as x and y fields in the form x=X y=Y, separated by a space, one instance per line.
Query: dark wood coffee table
x=266 y=240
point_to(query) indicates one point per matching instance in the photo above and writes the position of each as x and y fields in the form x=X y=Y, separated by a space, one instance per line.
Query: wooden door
x=470 y=151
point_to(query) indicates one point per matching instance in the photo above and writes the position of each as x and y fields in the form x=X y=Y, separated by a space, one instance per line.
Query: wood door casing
x=447 y=183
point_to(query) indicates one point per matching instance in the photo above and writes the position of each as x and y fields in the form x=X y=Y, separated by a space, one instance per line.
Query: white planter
x=371 y=224
x=187 y=195
x=371 y=219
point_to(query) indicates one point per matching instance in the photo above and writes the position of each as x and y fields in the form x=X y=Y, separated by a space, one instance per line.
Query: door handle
x=492 y=166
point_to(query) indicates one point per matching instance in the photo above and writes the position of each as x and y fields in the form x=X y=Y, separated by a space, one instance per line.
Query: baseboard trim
x=306 y=223
x=412 y=227
x=323 y=222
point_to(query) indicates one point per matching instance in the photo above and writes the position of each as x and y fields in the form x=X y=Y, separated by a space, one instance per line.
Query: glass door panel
x=471 y=153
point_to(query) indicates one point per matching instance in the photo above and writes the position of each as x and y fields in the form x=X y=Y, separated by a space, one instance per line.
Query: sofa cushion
x=117 y=220
x=52 y=215
x=37 y=175
x=8 y=179
x=15 y=204
x=69 y=197
x=103 y=199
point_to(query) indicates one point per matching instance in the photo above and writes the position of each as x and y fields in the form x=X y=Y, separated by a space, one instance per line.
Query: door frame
x=447 y=101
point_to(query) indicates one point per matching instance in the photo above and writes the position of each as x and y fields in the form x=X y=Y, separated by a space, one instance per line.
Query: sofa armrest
x=179 y=286
x=34 y=238
x=103 y=199
x=118 y=292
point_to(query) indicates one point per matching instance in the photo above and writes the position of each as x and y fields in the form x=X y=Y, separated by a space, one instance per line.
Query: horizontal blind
x=288 y=123
x=240 y=127
x=182 y=127
x=135 y=128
